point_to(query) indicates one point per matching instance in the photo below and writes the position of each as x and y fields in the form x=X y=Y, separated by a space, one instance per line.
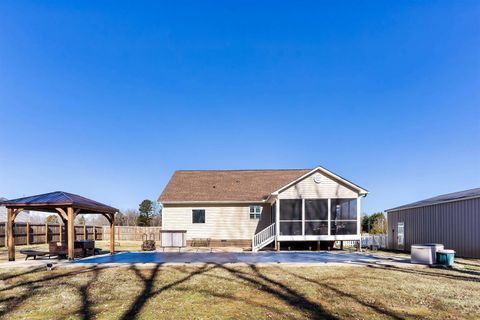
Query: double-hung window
x=198 y=216
x=255 y=212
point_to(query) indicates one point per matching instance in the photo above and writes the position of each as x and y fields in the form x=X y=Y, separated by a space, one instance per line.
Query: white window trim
x=256 y=215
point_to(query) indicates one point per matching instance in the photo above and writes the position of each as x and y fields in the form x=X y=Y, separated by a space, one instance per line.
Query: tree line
x=149 y=213
x=375 y=223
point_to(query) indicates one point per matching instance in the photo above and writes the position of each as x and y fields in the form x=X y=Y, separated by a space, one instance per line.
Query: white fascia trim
x=212 y=202
x=361 y=191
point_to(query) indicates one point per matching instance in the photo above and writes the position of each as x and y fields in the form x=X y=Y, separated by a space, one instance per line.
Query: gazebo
x=67 y=206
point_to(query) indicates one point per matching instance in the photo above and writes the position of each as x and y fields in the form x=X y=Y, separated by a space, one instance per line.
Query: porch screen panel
x=291 y=228
x=316 y=216
x=316 y=209
x=344 y=216
x=290 y=217
x=291 y=209
x=316 y=227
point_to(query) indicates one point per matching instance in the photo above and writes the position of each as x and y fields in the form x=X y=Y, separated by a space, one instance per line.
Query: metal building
x=452 y=219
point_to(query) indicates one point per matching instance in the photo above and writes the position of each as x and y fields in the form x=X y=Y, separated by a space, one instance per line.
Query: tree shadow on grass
x=11 y=303
x=27 y=272
x=85 y=310
x=380 y=310
x=255 y=279
x=470 y=264
x=148 y=292
x=225 y=296
x=275 y=288
x=31 y=288
x=48 y=278
x=452 y=275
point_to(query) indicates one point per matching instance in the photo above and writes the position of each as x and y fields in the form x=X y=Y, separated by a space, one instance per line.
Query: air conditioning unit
x=425 y=253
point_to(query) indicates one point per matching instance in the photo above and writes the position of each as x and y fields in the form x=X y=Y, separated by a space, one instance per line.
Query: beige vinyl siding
x=309 y=189
x=222 y=222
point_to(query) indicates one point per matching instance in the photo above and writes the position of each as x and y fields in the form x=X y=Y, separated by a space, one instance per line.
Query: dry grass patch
x=227 y=292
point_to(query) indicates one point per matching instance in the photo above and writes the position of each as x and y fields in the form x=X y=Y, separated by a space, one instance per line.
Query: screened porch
x=317 y=219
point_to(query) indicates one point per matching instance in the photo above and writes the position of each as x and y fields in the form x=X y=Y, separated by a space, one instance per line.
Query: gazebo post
x=71 y=233
x=10 y=240
x=112 y=234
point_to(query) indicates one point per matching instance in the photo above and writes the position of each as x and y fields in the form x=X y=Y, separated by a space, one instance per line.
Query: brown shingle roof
x=226 y=185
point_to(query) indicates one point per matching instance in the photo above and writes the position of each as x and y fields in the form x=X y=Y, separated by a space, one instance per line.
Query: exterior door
x=401 y=236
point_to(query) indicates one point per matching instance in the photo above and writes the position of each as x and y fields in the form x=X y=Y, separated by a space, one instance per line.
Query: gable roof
x=454 y=196
x=58 y=198
x=232 y=185
x=350 y=184
x=226 y=185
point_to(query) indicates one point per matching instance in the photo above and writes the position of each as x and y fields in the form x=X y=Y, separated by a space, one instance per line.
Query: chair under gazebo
x=67 y=206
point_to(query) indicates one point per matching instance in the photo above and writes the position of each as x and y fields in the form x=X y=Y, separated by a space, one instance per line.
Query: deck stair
x=263 y=238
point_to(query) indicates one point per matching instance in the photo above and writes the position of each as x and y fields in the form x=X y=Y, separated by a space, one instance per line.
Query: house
x=242 y=207
x=451 y=219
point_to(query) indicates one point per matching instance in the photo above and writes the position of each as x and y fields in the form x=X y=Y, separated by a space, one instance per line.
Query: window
x=255 y=212
x=198 y=216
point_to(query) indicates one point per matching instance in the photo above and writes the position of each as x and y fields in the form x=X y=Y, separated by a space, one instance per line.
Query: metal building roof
x=471 y=193
x=58 y=198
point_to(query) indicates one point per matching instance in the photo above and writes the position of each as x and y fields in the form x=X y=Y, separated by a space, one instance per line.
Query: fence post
x=60 y=227
x=6 y=234
x=84 y=231
x=94 y=233
x=46 y=232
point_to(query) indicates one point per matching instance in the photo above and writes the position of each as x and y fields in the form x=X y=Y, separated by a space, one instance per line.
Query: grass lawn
x=222 y=291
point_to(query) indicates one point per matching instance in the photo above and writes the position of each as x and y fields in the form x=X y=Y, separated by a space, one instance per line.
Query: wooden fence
x=28 y=233
x=125 y=233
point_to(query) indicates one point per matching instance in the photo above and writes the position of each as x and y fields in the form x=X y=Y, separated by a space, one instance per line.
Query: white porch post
x=303 y=217
x=359 y=232
x=277 y=223
x=329 y=206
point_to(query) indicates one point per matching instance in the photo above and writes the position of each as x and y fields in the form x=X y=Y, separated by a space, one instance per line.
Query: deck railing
x=264 y=237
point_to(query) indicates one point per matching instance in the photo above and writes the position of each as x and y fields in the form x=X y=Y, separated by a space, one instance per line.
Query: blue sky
x=108 y=99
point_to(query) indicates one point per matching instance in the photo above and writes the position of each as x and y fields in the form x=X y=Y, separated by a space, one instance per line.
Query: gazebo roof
x=59 y=199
